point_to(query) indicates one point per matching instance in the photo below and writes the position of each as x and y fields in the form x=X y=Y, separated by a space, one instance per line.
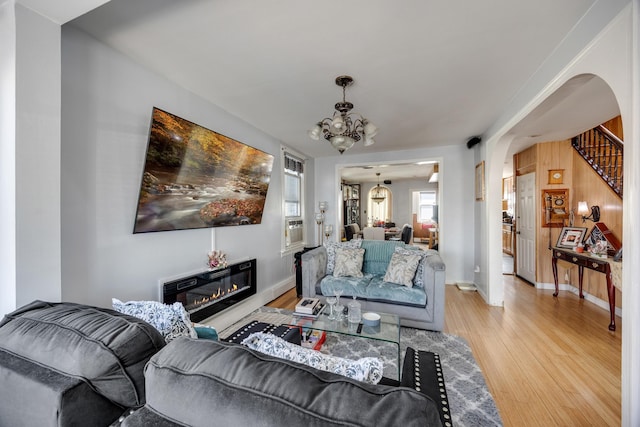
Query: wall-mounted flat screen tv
x=196 y=178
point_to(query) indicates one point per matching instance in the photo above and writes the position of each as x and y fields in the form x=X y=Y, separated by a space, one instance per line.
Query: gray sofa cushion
x=33 y=395
x=373 y=288
x=104 y=348
x=208 y=383
x=378 y=254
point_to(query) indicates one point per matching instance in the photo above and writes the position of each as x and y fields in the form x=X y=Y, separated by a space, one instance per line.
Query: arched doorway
x=565 y=113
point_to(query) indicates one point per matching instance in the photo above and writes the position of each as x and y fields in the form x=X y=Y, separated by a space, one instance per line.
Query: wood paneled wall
x=583 y=184
x=615 y=126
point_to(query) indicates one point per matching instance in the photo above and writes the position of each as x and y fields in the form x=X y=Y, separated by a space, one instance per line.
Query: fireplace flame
x=215 y=296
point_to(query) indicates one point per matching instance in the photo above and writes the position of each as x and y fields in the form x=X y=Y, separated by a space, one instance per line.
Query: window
x=427 y=210
x=293 y=171
x=292 y=201
x=291 y=193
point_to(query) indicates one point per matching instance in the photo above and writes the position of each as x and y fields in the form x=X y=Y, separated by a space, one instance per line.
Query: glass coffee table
x=387 y=331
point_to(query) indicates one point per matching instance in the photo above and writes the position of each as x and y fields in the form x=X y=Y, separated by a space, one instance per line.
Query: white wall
x=107 y=101
x=7 y=157
x=456 y=195
x=30 y=140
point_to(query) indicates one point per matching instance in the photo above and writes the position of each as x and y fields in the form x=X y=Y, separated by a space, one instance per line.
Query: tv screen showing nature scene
x=196 y=178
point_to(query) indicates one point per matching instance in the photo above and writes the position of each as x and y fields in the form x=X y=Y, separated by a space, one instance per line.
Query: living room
x=72 y=197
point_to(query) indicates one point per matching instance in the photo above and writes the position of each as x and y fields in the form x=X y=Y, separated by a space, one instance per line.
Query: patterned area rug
x=469 y=398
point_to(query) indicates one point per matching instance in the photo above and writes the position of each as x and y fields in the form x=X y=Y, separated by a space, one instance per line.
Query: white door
x=526 y=227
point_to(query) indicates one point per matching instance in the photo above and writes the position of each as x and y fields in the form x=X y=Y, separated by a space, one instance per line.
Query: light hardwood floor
x=547 y=361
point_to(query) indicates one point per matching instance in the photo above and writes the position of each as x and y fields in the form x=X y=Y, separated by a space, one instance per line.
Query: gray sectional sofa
x=64 y=364
x=209 y=383
x=419 y=306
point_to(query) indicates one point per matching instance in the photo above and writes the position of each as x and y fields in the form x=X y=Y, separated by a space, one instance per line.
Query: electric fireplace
x=207 y=293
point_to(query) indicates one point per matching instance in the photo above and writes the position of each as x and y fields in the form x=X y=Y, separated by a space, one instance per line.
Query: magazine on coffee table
x=307 y=305
x=317 y=310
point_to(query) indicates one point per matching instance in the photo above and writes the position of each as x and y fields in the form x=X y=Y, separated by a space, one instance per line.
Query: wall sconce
x=583 y=209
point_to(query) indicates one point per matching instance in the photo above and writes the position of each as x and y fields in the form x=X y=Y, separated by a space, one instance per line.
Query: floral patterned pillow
x=348 y=262
x=331 y=251
x=418 y=279
x=172 y=320
x=402 y=268
x=367 y=369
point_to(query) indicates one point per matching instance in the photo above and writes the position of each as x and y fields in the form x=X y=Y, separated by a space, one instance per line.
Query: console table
x=583 y=260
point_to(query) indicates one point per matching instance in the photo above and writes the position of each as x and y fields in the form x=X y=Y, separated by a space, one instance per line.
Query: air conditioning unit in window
x=293 y=231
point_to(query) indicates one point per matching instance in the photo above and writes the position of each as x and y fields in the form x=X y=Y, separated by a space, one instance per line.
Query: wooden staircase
x=604 y=152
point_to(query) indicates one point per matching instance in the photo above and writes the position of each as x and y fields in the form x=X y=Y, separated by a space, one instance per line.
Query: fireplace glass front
x=207 y=293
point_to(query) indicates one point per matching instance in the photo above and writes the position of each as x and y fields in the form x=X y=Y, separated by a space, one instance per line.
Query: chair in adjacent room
x=407 y=233
x=405 y=236
x=373 y=233
x=351 y=231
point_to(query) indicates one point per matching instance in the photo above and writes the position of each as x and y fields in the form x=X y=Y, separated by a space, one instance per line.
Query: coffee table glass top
x=388 y=330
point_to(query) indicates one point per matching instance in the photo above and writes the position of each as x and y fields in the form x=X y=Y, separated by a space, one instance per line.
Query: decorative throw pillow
x=205 y=332
x=348 y=262
x=171 y=320
x=418 y=279
x=367 y=369
x=402 y=268
x=331 y=251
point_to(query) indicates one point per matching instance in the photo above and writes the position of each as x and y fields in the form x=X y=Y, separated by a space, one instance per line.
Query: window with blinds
x=293 y=197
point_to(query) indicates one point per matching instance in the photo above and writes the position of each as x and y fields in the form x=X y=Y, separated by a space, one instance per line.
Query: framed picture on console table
x=601 y=232
x=571 y=237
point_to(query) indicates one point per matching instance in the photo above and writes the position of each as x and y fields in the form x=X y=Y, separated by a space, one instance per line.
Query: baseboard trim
x=574 y=290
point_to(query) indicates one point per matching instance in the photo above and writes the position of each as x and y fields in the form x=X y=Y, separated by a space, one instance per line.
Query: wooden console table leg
x=580 y=276
x=611 y=290
x=554 y=267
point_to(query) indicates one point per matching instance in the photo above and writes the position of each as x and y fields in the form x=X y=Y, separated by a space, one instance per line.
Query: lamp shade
x=368 y=141
x=342 y=143
x=337 y=124
x=314 y=132
x=370 y=130
x=583 y=208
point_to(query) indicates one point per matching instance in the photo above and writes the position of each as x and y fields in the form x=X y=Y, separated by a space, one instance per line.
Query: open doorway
x=403 y=194
x=508 y=213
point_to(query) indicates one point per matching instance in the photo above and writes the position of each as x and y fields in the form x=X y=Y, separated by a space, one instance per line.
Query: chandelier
x=378 y=195
x=344 y=129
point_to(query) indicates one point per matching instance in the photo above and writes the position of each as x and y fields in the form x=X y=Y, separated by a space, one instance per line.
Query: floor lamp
x=320 y=219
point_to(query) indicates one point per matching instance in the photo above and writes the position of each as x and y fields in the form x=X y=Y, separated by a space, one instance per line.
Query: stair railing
x=604 y=152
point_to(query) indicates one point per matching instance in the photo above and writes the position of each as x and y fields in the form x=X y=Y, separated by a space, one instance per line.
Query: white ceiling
x=61 y=11
x=427 y=73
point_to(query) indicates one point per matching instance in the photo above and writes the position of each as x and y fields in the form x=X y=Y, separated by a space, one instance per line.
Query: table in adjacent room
x=591 y=262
